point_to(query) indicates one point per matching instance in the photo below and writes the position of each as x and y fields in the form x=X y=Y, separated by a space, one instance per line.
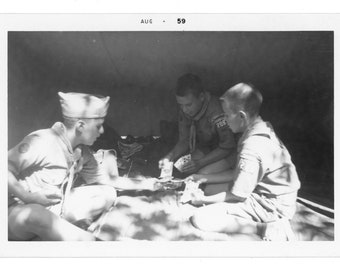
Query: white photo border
x=194 y=22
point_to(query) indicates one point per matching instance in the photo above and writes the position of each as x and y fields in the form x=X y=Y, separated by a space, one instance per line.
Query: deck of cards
x=166 y=172
x=179 y=164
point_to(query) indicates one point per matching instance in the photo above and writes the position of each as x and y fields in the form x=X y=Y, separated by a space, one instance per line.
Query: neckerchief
x=66 y=186
x=60 y=129
x=198 y=116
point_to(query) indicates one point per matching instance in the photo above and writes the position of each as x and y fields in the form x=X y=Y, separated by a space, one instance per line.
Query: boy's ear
x=80 y=125
x=243 y=115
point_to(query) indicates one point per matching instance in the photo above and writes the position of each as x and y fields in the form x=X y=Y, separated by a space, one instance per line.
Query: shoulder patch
x=247 y=166
x=219 y=121
x=23 y=148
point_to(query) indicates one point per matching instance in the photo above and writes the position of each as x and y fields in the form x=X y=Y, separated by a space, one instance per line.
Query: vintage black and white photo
x=171 y=134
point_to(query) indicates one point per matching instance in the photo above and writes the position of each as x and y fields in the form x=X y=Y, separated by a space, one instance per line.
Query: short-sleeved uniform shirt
x=42 y=160
x=212 y=130
x=265 y=172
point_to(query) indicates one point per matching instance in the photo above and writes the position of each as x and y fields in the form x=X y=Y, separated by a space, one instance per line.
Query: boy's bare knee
x=110 y=196
x=211 y=218
x=193 y=222
x=24 y=221
x=106 y=198
x=198 y=221
x=36 y=216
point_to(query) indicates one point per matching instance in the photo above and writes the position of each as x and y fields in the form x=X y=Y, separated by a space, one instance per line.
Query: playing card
x=166 y=171
x=179 y=164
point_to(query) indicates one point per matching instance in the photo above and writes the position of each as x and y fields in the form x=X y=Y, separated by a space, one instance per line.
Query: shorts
x=260 y=209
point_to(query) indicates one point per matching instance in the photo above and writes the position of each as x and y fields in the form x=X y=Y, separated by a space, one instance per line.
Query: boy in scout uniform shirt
x=203 y=131
x=44 y=166
x=264 y=184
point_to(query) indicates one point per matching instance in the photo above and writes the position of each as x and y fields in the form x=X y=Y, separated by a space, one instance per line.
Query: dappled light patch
x=309 y=225
x=160 y=217
x=157 y=217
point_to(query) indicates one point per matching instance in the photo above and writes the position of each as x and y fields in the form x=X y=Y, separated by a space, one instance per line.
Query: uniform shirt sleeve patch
x=247 y=166
x=23 y=148
x=219 y=121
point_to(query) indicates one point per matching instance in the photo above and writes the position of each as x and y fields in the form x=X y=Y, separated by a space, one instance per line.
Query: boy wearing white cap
x=262 y=191
x=43 y=167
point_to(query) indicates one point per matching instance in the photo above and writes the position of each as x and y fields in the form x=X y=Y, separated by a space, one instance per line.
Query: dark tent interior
x=138 y=70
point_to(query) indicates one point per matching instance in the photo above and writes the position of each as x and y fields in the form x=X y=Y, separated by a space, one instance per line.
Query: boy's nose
x=186 y=110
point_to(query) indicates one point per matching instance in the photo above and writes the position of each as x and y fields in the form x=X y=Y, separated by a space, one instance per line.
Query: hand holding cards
x=179 y=164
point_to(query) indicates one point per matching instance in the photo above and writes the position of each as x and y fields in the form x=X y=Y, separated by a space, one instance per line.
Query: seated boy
x=202 y=131
x=260 y=193
x=44 y=166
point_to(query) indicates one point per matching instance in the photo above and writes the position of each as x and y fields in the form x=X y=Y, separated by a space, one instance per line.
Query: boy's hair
x=70 y=122
x=189 y=84
x=245 y=97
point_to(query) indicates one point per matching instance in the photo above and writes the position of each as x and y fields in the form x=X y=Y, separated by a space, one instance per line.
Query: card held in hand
x=166 y=172
x=179 y=164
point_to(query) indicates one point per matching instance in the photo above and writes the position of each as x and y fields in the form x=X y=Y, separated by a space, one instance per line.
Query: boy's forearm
x=180 y=148
x=222 y=197
x=214 y=156
x=218 y=178
x=16 y=189
x=126 y=183
x=219 y=197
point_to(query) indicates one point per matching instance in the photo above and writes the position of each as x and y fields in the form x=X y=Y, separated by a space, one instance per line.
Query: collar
x=258 y=126
x=60 y=129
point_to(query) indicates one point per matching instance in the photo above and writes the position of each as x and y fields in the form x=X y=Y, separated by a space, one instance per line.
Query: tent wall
x=293 y=70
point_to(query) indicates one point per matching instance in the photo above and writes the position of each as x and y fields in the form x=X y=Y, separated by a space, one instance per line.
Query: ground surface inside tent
x=159 y=216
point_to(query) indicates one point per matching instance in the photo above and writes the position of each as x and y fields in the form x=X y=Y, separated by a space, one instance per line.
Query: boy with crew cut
x=260 y=193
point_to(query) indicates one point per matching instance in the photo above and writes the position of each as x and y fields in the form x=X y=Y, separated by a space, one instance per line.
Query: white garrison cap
x=80 y=105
